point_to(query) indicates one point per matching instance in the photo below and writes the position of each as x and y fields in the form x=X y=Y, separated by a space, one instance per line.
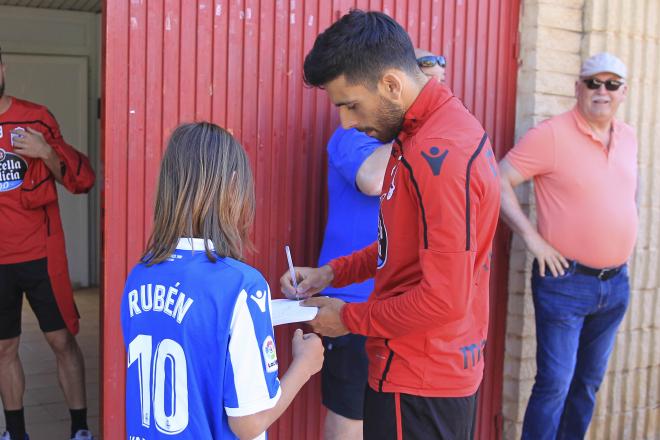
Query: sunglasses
x=432 y=60
x=594 y=84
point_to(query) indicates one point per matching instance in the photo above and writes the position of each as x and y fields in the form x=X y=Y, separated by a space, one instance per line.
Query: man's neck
x=412 y=92
x=598 y=126
x=5 y=103
x=602 y=129
x=601 y=126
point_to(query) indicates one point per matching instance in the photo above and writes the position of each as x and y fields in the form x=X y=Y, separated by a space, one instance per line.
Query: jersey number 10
x=140 y=350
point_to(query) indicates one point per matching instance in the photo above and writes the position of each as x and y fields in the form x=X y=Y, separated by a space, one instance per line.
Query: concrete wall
x=556 y=35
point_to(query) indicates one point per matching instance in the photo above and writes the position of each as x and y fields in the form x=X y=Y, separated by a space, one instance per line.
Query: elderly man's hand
x=548 y=257
x=328 y=320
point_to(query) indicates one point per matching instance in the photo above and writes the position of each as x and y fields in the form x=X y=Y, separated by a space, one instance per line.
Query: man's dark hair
x=0 y=54
x=361 y=45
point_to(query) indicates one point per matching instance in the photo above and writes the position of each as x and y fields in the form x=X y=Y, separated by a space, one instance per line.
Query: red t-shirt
x=24 y=230
x=427 y=319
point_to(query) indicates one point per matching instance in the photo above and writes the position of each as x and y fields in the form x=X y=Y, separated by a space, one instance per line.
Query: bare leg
x=341 y=428
x=70 y=367
x=12 y=378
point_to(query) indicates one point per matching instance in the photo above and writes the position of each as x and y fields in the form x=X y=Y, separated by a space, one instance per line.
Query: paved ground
x=46 y=414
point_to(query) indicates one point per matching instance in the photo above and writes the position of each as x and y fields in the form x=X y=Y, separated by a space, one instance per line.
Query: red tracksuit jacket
x=427 y=318
x=29 y=213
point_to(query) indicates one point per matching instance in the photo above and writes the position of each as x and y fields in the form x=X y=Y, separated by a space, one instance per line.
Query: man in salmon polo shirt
x=584 y=166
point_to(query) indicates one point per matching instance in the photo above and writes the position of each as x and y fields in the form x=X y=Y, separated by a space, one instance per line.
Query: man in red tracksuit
x=426 y=321
x=33 y=156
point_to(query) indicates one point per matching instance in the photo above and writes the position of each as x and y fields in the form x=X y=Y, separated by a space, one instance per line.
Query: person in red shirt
x=426 y=320
x=33 y=156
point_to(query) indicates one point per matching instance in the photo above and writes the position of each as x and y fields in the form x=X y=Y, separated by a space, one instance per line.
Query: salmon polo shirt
x=585 y=194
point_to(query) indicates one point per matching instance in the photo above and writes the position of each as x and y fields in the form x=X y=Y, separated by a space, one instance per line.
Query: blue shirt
x=352 y=216
x=199 y=344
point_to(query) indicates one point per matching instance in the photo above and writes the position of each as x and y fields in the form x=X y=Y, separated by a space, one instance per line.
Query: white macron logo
x=260 y=298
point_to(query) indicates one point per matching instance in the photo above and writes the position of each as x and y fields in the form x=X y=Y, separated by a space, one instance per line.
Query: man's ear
x=391 y=84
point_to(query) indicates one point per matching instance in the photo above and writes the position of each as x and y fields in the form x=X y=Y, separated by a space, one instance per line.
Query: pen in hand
x=292 y=271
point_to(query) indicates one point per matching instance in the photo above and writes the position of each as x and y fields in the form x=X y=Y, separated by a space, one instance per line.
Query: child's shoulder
x=247 y=273
x=201 y=272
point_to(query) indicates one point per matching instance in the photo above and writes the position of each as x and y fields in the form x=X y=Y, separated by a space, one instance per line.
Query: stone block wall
x=556 y=35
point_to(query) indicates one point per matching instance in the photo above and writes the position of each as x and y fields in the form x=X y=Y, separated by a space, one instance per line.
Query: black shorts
x=32 y=278
x=390 y=416
x=344 y=375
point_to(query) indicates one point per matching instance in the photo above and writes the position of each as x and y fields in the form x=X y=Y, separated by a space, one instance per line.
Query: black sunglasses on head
x=432 y=60
x=594 y=84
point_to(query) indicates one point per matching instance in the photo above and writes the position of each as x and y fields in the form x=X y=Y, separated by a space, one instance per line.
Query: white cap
x=603 y=62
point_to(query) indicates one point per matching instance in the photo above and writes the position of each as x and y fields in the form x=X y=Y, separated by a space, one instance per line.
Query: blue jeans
x=577 y=317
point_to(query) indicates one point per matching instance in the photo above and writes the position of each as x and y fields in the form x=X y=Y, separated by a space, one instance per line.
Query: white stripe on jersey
x=247 y=363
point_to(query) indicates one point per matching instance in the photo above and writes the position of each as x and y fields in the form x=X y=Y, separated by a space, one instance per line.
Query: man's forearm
x=52 y=161
x=513 y=214
x=354 y=268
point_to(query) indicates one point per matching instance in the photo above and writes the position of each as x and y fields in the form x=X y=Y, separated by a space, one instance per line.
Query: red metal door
x=239 y=63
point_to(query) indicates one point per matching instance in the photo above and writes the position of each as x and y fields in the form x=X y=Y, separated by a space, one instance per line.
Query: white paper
x=285 y=311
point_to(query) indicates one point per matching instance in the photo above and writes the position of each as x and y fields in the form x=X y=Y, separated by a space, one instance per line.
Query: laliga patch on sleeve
x=270 y=355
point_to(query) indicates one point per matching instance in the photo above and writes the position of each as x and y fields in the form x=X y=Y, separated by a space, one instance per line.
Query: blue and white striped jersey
x=199 y=344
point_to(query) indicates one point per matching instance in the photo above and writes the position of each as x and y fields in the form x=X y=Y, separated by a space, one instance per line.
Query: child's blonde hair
x=205 y=190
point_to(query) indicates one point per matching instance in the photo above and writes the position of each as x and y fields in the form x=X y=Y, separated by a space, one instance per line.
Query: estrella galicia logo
x=435 y=159
x=12 y=170
x=382 y=241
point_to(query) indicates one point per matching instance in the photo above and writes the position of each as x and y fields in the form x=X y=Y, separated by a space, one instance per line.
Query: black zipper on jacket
x=47 y=222
x=467 y=190
x=419 y=198
x=387 y=367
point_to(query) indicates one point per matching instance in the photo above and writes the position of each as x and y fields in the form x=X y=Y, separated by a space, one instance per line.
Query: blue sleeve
x=251 y=384
x=347 y=151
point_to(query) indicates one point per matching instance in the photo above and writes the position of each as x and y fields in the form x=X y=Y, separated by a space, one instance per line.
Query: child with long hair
x=201 y=359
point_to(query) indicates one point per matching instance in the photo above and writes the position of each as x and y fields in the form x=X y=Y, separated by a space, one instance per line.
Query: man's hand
x=310 y=281
x=547 y=256
x=328 y=320
x=31 y=143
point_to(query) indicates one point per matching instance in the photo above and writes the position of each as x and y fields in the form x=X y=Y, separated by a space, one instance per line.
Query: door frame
x=40 y=31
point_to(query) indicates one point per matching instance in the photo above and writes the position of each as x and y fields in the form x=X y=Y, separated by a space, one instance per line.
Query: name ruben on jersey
x=12 y=170
x=158 y=298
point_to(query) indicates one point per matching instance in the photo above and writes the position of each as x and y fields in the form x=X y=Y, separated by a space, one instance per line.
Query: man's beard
x=2 y=88
x=390 y=120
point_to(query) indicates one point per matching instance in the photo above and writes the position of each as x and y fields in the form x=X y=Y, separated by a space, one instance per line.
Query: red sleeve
x=446 y=255
x=77 y=173
x=355 y=268
x=534 y=154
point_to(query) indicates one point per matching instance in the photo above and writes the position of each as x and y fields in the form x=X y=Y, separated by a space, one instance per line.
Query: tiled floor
x=46 y=413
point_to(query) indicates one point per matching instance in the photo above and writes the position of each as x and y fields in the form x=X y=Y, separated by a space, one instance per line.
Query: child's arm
x=307 y=360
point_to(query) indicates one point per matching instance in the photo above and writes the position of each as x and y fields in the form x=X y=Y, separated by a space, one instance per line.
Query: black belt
x=601 y=274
